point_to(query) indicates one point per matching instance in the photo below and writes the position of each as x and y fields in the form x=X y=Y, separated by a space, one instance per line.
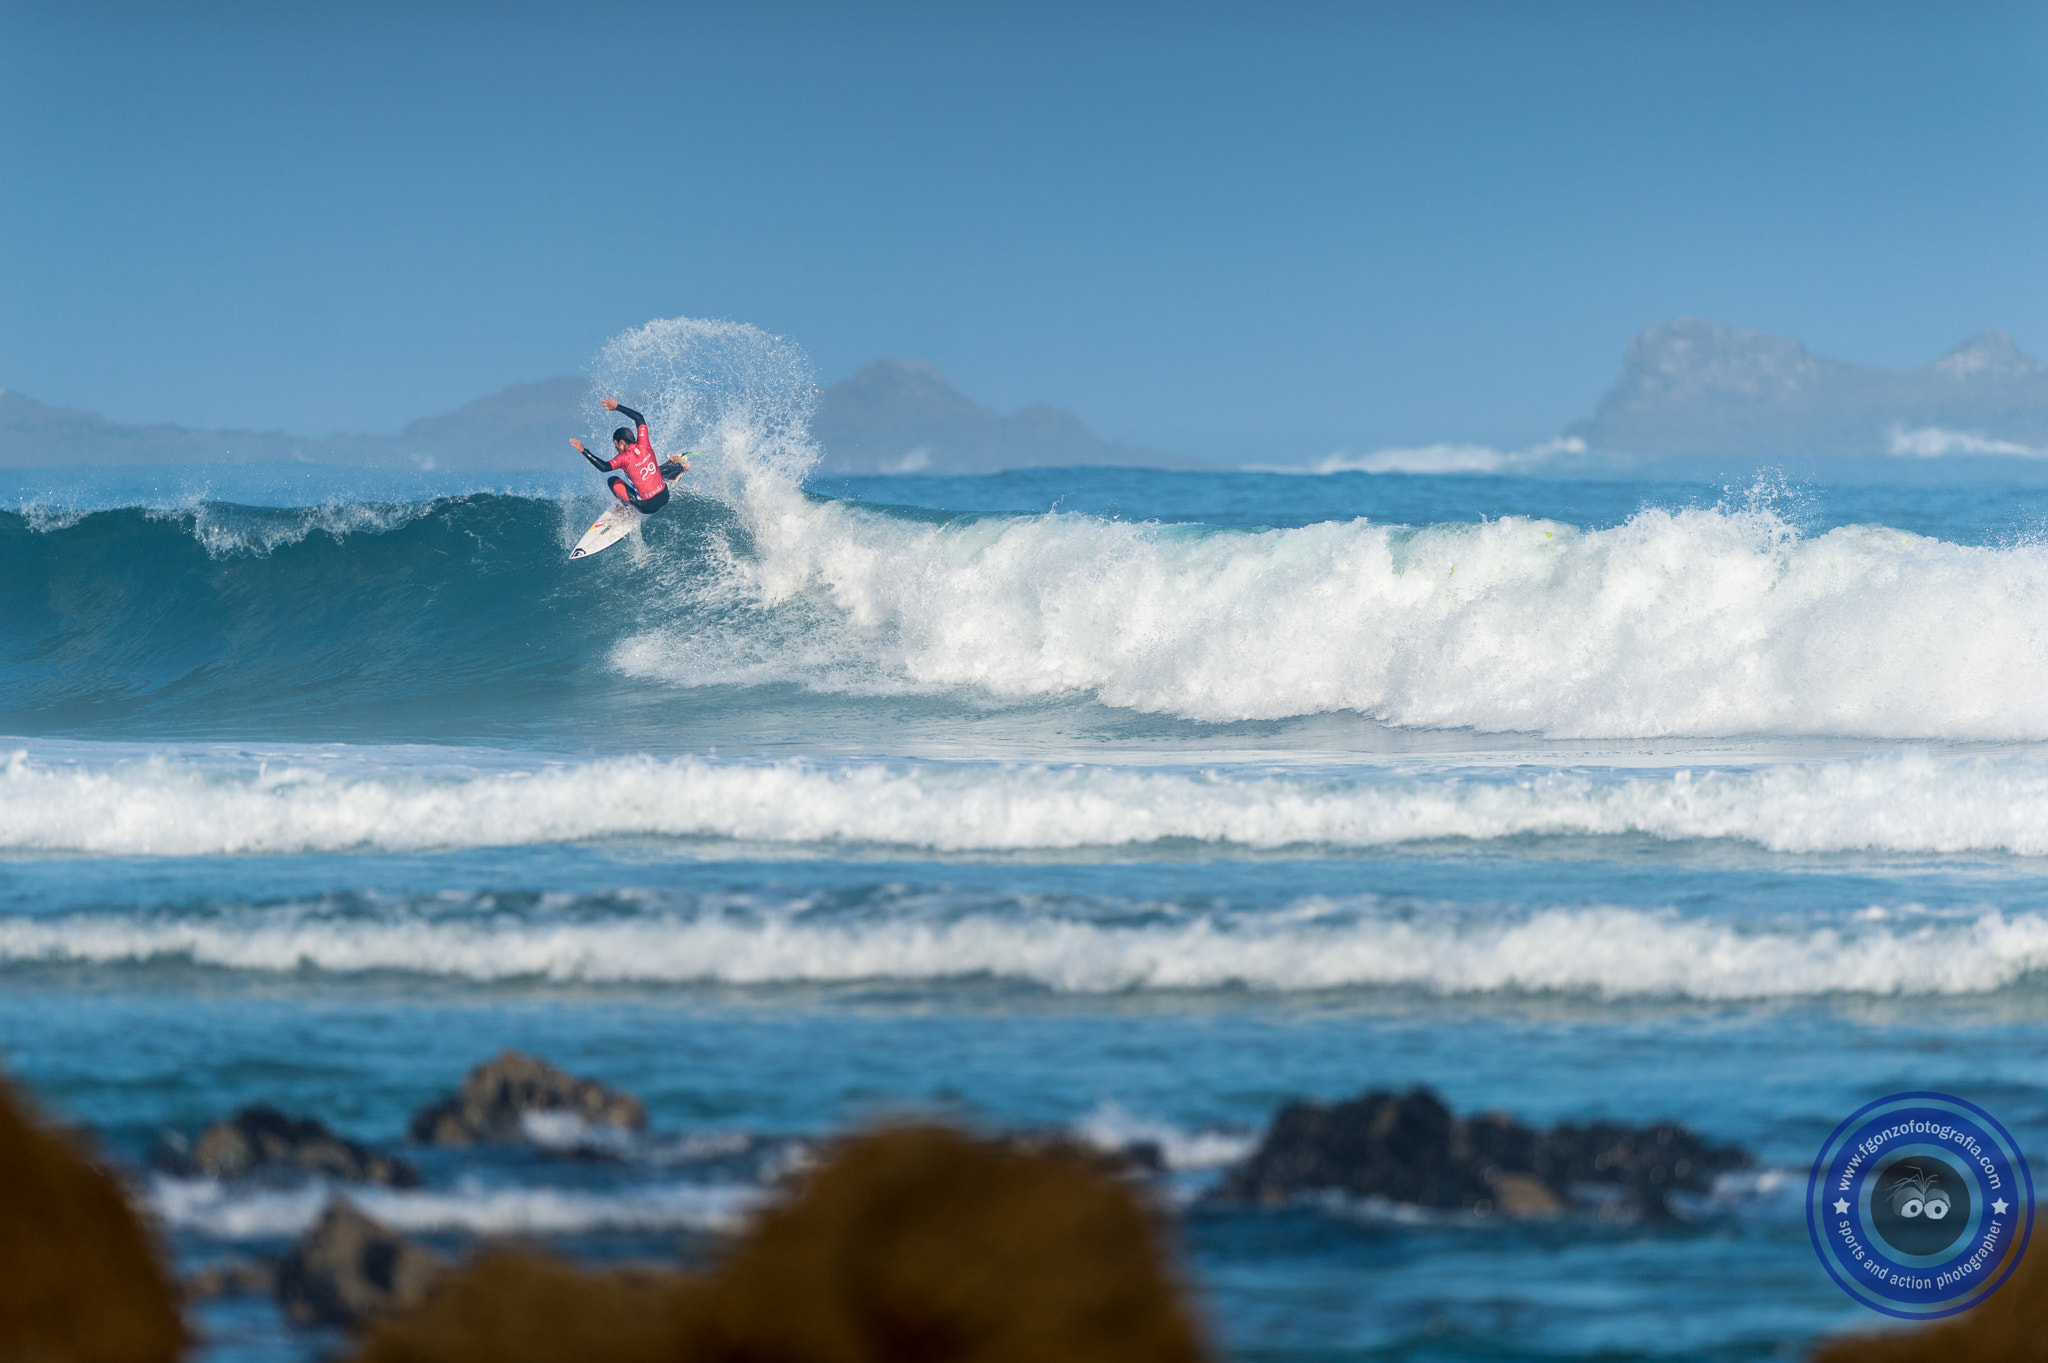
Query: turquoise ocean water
x=1125 y=803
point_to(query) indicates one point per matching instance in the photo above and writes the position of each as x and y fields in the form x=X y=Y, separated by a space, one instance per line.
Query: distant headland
x=1688 y=390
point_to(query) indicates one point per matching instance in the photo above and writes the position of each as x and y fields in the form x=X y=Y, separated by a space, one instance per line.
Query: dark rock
x=496 y=1096
x=349 y=1268
x=1409 y=1148
x=1648 y=1163
x=1142 y=1157
x=232 y=1278
x=1374 y=1145
x=261 y=1139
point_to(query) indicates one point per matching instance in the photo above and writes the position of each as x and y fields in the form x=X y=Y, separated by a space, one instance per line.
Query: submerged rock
x=1410 y=1148
x=260 y=1138
x=493 y=1104
x=348 y=1268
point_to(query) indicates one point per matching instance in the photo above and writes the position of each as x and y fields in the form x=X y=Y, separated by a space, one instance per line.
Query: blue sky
x=1257 y=230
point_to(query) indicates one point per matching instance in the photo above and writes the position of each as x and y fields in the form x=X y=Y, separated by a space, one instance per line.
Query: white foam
x=1933 y=442
x=225 y=531
x=1446 y=458
x=732 y=391
x=46 y=515
x=1110 y=1127
x=238 y=1212
x=1311 y=945
x=1692 y=622
x=1907 y=801
x=1695 y=622
x=567 y=1133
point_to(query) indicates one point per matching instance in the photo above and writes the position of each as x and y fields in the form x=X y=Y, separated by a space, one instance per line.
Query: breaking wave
x=1695 y=622
x=1314 y=944
x=226 y=1211
x=464 y=612
x=1909 y=801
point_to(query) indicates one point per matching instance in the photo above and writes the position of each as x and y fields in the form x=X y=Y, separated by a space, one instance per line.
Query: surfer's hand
x=577 y=443
x=611 y=404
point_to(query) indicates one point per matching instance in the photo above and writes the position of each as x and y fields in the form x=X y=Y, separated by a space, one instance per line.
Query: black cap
x=624 y=433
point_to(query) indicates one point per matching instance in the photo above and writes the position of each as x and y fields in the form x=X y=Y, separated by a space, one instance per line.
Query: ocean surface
x=1125 y=803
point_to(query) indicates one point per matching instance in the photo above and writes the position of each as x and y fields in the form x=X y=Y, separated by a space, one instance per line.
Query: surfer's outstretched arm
x=595 y=462
x=613 y=405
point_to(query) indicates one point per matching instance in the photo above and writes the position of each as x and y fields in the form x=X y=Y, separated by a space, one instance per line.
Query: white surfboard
x=608 y=529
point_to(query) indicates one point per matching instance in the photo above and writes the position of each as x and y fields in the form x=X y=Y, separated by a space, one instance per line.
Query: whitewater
x=1695 y=622
x=1124 y=804
x=1908 y=800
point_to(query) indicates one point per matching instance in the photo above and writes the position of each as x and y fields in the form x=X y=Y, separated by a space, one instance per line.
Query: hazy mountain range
x=891 y=417
x=1693 y=388
x=1688 y=389
x=899 y=417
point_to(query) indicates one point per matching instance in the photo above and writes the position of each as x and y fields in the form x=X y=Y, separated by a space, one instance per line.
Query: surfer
x=645 y=486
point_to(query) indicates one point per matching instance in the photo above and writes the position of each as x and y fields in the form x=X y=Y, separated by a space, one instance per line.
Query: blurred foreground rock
x=260 y=1139
x=80 y=1278
x=2010 y=1327
x=521 y=1308
x=1410 y=1148
x=910 y=1244
x=349 y=1268
x=492 y=1105
x=232 y=1278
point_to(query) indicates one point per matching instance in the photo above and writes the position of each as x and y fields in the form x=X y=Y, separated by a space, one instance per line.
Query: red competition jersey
x=637 y=463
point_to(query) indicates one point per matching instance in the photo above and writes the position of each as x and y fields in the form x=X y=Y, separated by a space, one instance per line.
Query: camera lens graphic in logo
x=1920 y=1205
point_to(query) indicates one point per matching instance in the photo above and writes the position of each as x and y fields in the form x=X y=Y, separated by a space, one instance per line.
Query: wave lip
x=1312 y=946
x=1908 y=801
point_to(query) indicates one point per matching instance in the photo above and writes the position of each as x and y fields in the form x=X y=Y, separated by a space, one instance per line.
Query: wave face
x=461 y=615
x=354 y=617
